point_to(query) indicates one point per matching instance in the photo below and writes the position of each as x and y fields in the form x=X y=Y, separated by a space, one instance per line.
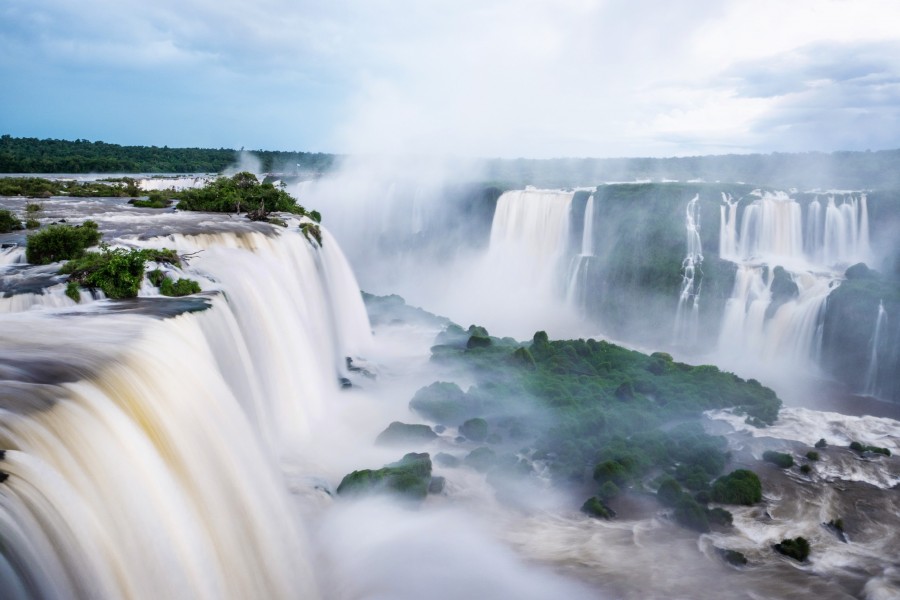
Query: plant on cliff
x=115 y=271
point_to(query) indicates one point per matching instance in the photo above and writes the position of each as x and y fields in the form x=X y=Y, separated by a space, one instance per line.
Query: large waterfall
x=143 y=451
x=774 y=315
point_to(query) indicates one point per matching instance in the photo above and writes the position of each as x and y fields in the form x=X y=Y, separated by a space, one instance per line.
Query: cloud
x=534 y=78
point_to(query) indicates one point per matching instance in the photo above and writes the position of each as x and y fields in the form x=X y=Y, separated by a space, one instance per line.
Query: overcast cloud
x=466 y=77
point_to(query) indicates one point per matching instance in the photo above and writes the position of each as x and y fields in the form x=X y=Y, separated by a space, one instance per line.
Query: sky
x=469 y=78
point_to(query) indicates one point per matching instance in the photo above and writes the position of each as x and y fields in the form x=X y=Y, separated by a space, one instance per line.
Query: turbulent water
x=189 y=448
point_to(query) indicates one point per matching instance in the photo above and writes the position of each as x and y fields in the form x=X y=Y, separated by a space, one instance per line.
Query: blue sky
x=505 y=78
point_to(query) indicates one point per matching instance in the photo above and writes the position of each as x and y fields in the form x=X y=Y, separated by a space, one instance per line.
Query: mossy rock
x=474 y=429
x=481 y=459
x=733 y=557
x=478 y=341
x=446 y=460
x=398 y=433
x=595 y=507
x=779 y=459
x=409 y=478
x=443 y=402
x=796 y=548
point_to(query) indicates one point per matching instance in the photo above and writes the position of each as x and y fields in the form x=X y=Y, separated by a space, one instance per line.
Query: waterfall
x=871 y=385
x=143 y=452
x=728 y=227
x=687 y=315
x=530 y=235
x=580 y=262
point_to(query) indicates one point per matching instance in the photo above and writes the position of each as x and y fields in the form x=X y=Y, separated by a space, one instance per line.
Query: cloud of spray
x=244 y=161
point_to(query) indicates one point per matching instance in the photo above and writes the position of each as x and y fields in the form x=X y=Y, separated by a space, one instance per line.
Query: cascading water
x=871 y=386
x=581 y=261
x=687 y=316
x=785 y=328
x=143 y=452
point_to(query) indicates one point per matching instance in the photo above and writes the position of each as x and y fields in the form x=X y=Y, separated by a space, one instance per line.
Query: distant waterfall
x=687 y=315
x=580 y=262
x=142 y=452
x=871 y=385
x=769 y=230
x=772 y=230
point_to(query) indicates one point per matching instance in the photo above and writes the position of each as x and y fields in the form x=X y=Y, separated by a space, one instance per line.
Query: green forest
x=31 y=155
x=843 y=170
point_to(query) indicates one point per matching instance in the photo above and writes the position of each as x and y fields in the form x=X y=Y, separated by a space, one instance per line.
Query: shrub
x=738 y=487
x=595 y=507
x=669 y=492
x=611 y=470
x=61 y=242
x=32 y=224
x=812 y=455
x=73 y=292
x=9 y=222
x=608 y=491
x=821 y=443
x=796 y=548
x=182 y=287
x=690 y=514
x=119 y=272
x=861 y=448
x=32 y=208
x=719 y=516
x=779 y=459
x=805 y=469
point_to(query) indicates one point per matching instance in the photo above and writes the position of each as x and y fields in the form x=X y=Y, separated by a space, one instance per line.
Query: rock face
x=409 y=478
x=444 y=403
x=398 y=434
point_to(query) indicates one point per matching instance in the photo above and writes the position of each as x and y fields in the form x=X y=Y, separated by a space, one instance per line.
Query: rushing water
x=186 y=448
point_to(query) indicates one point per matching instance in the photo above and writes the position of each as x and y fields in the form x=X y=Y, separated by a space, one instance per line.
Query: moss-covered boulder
x=444 y=402
x=595 y=507
x=398 y=434
x=474 y=429
x=409 y=478
x=796 y=548
x=733 y=557
x=738 y=487
x=481 y=459
x=779 y=459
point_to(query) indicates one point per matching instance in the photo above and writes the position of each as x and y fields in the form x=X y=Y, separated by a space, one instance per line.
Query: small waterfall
x=579 y=267
x=687 y=315
x=771 y=227
x=728 y=227
x=871 y=386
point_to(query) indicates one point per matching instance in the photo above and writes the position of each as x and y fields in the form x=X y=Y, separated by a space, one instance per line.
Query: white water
x=814 y=253
x=156 y=475
x=580 y=262
x=687 y=316
x=150 y=184
x=871 y=385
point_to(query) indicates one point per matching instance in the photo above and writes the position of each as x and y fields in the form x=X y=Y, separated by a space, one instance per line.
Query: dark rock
x=345 y=383
x=398 y=433
x=474 y=429
x=437 y=485
x=481 y=459
x=446 y=460
x=796 y=548
x=733 y=557
x=443 y=402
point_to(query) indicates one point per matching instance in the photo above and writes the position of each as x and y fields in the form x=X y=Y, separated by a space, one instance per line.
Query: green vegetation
x=31 y=155
x=9 y=222
x=812 y=455
x=409 y=478
x=856 y=446
x=623 y=418
x=796 y=548
x=779 y=459
x=32 y=224
x=182 y=287
x=33 y=208
x=36 y=187
x=821 y=443
x=73 y=292
x=595 y=507
x=154 y=200
x=738 y=487
x=117 y=272
x=61 y=242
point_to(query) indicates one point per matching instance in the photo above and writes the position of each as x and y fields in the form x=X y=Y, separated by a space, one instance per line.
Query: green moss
x=61 y=242
x=738 y=487
x=408 y=478
x=595 y=507
x=796 y=548
x=779 y=459
x=311 y=232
